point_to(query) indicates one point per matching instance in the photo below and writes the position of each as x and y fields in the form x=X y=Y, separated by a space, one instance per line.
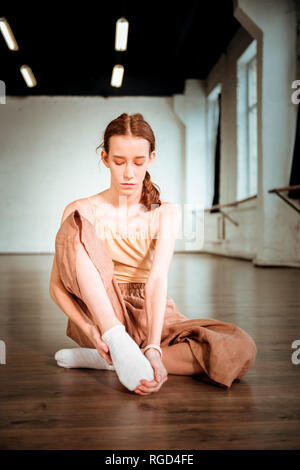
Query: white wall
x=269 y=230
x=239 y=240
x=190 y=108
x=273 y=24
x=48 y=159
x=48 y=151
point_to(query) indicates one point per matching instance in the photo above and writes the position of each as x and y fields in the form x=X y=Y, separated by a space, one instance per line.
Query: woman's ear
x=104 y=158
x=151 y=158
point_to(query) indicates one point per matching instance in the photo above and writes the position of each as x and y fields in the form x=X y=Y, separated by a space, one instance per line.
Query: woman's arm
x=157 y=283
x=70 y=307
x=156 y=293
x=57 y=290
x=155 y=305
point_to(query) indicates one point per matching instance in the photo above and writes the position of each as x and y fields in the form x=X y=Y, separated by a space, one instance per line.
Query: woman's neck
x=123 y=202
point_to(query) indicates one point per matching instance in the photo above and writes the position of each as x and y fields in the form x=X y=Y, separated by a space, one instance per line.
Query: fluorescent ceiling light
x=8 y=35
x=28 y=76
x=122 y=26
x=117 y=76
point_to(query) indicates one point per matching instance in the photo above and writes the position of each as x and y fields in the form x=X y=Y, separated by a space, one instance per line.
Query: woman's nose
x=128 y=172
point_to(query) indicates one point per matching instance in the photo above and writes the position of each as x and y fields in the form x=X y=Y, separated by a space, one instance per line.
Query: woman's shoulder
x=97 y=198
x=166 y=203
x=86 y=206
x=163 y=212
x=167 y=206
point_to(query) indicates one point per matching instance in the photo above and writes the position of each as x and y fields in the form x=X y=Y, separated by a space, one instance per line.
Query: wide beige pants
x=224 y=351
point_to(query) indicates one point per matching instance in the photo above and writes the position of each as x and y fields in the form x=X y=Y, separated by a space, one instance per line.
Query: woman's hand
x=160 y=374
x=94 y=336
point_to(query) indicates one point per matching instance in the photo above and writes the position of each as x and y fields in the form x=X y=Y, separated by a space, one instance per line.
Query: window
x=252 y=126
x=247 y=123
x=212 y=128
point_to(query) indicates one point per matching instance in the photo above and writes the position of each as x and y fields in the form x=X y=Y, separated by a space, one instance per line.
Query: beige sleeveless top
x=132 y=253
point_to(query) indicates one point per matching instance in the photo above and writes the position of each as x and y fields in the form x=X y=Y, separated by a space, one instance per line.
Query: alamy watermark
x=2 y=92
x=295 y=97
x=181 y=222
x=2 y=352
x=296 y=354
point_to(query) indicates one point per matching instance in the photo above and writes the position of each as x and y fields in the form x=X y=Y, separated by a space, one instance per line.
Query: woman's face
x=128 y=160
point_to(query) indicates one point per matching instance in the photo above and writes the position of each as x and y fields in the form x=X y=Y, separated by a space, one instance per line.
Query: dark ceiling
x=70 y=47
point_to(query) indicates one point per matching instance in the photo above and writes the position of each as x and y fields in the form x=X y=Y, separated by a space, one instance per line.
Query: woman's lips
x=127 y=184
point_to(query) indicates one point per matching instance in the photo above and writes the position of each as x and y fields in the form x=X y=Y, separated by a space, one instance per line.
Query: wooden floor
x=43 y=406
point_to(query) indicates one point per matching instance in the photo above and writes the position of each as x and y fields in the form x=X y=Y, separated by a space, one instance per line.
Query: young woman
x=112 y=255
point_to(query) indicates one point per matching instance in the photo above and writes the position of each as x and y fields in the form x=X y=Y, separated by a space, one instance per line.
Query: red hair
x=135 y=125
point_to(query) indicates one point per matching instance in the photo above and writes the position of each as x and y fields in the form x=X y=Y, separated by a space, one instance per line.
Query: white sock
x=81 y=357
x=130 y=363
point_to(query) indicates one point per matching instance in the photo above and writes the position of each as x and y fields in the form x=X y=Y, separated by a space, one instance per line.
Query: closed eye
x=137 y=164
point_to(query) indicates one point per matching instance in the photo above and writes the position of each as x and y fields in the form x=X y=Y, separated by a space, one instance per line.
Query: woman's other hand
x=94 y=336
x=160 y=374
